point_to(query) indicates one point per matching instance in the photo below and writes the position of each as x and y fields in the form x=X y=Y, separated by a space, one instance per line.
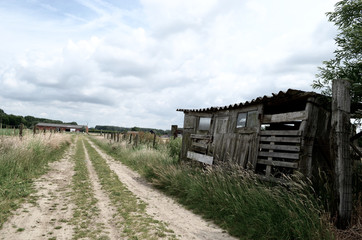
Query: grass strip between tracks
x=83 y=197
x=137 y=224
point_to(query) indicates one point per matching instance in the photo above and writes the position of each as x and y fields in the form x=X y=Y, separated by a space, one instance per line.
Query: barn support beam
x=340 y=122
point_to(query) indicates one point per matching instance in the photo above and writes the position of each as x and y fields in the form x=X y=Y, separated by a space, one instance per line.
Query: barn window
x=241 y=121
x=252 y=119
x=204 y=124
x=247 y=119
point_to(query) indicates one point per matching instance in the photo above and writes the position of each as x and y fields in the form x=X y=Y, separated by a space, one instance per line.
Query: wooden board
x=200 y=136
x=200 y=157
x=280 y=139
x=280 y=147
x=285 y=117
x=278 y=163
x=200 y=145
x=280 y=133
x=279 y=155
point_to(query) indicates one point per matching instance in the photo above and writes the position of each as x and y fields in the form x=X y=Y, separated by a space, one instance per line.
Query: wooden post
x=136 y=140
x=21 y=131
x=341 y=104
x=118 y=137
x=34 y=130
x=130 y=138
x=174 y=131
x=154 y=140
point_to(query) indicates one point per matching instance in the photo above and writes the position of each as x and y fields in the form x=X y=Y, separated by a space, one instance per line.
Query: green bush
x=174 y=147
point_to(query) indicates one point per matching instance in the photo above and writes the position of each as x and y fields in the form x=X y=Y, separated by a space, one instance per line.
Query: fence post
x=340 y=122
x=136 y=140
x=154 y=140
x=21 y=131
x=174 y=131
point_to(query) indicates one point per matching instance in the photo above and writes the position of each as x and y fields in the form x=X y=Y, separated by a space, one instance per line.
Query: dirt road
x=59 y=212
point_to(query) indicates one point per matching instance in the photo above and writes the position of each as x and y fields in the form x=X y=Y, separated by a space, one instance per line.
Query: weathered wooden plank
x=278 y=163
x=280 y=133
x=285 y=117
x=200 y=157
x=200 y=145
x=281 y=139
x=280 y=147
x=200 y=136
x=279 y=155
x=341 y=106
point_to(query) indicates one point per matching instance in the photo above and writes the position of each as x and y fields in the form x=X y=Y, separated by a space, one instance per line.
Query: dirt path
x=107 y=215
x=51 y=215
x=48 y=218
x=184 y=223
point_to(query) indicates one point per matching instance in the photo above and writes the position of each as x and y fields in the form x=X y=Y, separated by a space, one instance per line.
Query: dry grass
x=22 y=160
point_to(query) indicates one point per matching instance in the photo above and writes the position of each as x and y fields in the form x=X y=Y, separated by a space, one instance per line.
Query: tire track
x=184 y=223
x=107 y=214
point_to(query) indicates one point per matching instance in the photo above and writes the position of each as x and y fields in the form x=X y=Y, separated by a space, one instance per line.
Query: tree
x=347 y=63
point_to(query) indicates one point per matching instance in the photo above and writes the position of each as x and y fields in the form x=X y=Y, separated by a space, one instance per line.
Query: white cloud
x=128 y=66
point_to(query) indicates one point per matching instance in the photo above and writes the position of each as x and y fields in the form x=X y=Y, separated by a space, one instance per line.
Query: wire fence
x=13 y=130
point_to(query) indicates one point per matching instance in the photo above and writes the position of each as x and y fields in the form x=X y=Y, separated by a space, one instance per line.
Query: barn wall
x=224 y=141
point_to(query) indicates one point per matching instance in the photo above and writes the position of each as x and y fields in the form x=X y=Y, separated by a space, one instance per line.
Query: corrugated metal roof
x=59 y=125
x=275 y=97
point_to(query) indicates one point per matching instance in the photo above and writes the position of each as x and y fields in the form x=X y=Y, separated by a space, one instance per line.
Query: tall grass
x=235 y=200
x=20 y=162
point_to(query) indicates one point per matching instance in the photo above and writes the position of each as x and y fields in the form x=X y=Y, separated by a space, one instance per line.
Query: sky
x=133 y=63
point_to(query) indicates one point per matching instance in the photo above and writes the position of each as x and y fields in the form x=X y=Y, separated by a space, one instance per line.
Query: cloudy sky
x=133 y=63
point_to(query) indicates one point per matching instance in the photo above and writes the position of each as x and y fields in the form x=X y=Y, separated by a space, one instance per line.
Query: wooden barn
x=272 y=134
x=61 y=127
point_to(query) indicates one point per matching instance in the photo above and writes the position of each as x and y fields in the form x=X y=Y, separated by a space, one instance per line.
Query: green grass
x=85 y=210
x=14 y=132
x=235 y=200
x=136 y=224
x=20 y=163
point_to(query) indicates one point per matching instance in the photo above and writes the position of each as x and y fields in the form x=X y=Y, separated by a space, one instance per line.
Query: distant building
x=61 y=127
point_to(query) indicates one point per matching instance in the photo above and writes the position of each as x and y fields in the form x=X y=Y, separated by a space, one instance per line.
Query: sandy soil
x=49 y=216
x=184 y=223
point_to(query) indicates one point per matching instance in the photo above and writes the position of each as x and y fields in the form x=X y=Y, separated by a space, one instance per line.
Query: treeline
x=28 y=121
x=99 y=128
